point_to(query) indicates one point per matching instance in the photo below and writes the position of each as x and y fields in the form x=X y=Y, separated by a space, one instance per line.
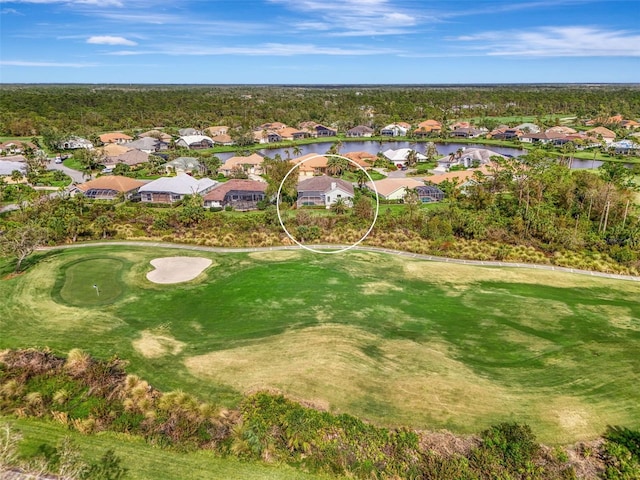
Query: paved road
x=431 y=258
x=75 y=175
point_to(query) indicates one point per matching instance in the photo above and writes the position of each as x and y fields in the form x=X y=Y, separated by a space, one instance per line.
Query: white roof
x=400 y=155
x=181 y=184
x=189 y=139
x=7 y=167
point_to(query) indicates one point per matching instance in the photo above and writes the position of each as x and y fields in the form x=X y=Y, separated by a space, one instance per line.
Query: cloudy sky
x=319 y=41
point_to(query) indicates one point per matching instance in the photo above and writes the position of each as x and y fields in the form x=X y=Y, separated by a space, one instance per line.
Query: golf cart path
x=361 y=248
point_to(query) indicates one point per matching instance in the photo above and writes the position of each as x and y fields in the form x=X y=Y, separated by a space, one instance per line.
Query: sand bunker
x=177 y=269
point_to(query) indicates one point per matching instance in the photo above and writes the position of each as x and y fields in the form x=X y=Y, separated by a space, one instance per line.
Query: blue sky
x=319 y=41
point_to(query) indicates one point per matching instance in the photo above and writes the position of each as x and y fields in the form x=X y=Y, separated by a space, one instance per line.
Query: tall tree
x=22 y=241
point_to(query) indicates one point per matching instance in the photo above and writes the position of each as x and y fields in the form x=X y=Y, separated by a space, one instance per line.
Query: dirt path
x=431 y=258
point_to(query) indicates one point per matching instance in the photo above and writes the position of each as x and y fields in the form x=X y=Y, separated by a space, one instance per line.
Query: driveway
x=75 y=175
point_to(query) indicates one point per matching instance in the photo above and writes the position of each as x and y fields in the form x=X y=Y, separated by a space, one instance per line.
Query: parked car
x=58 y=160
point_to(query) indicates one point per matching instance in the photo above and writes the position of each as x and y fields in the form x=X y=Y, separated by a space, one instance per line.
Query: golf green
x=92 y=282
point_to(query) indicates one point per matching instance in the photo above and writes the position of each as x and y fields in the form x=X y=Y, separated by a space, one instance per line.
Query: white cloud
x=110 y=40
x=10 y=11
x=265 y=49
x=574 y=41
x=24 y=63
x=349 y=18
x=97 y=3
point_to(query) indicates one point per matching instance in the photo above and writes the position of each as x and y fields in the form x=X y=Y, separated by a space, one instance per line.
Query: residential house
x=323 y=191
x=602 y=132
x=467 y=158
x=194 y=142
x=311 y=164
x=393 y=188
x=528 y=127
x=132 y=158
x=629 y=124
x=223 y=139
x=394 y=130
x=428 y=127
x=266 y=136
x=252 y=164
x=74 y=143
x=163 y=137
x=109 y=187
x=115 y=137
x=174 y=189
x=468 y=132
x=548 y=137
x=460 y=124
x=188 y=165
x=239 y=194
x=362 y=159
x=506 y=133
x=429 y=193
x=148 y=144
x=399 y=156
x=290 y=133
x=188 y=132
x=217 y=130
x=360 y=131
x=625 y=147
x=275 y=126
x=461 y=178
x=12 y=147
x=562 y=130
x=317 y=130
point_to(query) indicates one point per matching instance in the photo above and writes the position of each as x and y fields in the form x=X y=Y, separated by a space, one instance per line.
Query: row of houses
x=244 y=194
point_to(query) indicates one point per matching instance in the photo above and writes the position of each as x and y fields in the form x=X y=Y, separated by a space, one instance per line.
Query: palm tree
x=336 y=165
x=297 y=150
x=412 y=158
x=361 y=177
x=340 y=206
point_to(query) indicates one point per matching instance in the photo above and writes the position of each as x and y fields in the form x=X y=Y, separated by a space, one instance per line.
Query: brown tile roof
x=253 y=159
x=113 y=150
x=318 y=161
x=112 y=137
x=387 y=186
x=112 y=182
x=604 y=132
x=460 y=175
x=364 y=159
x=219 y=192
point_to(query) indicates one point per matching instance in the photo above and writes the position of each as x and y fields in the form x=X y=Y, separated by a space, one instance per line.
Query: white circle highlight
x=311 y=249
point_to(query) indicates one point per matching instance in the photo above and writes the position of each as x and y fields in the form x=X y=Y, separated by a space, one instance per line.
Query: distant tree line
x=86 y=109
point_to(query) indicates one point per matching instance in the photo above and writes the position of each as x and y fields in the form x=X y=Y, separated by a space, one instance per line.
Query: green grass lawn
x=147 y=462
x=393 y=340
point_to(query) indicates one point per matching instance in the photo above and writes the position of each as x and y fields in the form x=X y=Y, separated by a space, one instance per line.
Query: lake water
x=374 y=147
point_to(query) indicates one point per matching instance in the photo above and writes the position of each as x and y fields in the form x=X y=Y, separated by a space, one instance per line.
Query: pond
x=374 y=147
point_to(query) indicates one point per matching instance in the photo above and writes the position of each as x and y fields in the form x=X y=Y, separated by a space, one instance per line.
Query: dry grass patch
x=375 y=288
x=619 y=317
x=155 y=345
x=275 y=256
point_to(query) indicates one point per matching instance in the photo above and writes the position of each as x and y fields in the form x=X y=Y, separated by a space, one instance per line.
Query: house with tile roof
x=323 y=191
x=363 y=159
x=360 y=131
x=311 y=164
x=394 y=130
x=195 y=142
x=132 y=158
x=602 y=132
x=108 y=187
x=393 y=188
x=251 y=164
x=188 y=165
x=174 y=189
x=115 y=137
x=239 y=194
x=428 y=127
x=163 y=137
